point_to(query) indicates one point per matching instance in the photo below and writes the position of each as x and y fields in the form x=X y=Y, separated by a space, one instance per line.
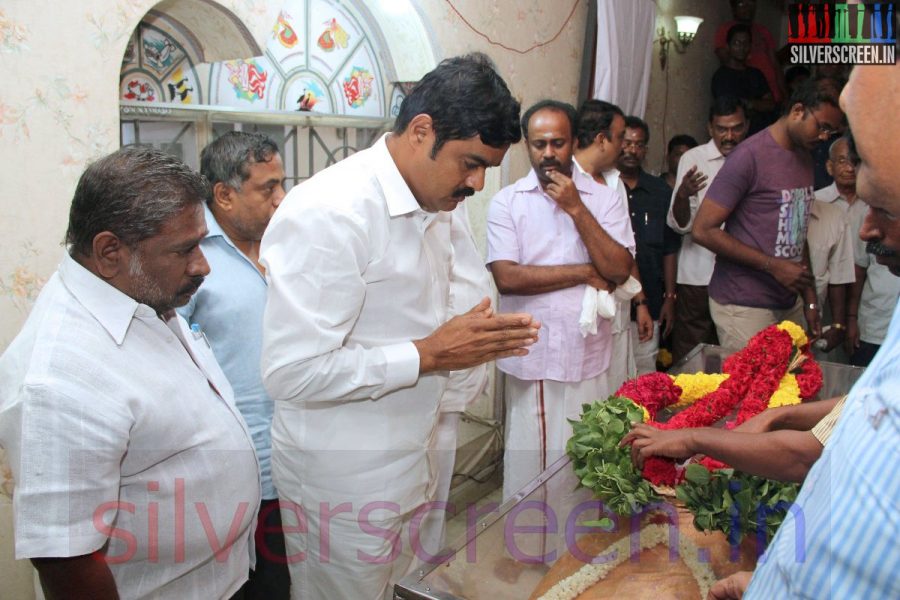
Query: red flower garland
x=772 y=365
x=653 y=391
x=754 y=374
x=809 y=379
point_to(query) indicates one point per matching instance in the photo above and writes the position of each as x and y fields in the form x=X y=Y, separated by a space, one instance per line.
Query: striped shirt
x=840 y=539
x=824 y=428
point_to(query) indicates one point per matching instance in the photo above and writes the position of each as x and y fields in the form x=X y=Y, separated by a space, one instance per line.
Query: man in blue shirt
x=246 y=177
x=840 y=538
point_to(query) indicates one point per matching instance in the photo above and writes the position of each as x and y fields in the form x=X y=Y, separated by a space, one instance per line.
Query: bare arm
x=789 y=453
x=813 y=316
x=688 y=186
x=707 y=232
x=642 y=312
x=79 y=577
x=667 y=312
x=801 y=417
x=853 y=298
x=527 y=280
x=612 y=260
x=837 y=296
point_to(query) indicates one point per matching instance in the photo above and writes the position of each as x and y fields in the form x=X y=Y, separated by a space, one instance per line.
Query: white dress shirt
x=830 y=247
x=111 y=416
x=356 y=271
x=830 y=194
x=695 y=263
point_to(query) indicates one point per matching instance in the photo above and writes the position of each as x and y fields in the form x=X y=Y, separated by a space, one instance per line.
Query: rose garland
x=755 y=378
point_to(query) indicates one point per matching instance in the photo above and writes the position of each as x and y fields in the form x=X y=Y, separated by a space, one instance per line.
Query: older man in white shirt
x=831 y=238
x=135 y=475
x=696 y=170
x=359 y=332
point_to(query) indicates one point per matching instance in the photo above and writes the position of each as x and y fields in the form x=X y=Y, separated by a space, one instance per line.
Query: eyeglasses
x=844 y=161
x=826 y=130
x=633 y=144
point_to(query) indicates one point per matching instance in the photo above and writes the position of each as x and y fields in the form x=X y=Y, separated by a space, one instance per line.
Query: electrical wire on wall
x=504 y=46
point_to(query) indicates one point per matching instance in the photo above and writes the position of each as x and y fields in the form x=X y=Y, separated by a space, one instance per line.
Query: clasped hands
x=475 y=337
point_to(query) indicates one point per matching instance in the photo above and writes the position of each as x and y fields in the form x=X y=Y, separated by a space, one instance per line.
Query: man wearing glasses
x=763 y=195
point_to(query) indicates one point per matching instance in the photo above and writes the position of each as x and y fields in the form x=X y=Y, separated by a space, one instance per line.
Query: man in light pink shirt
x=550 y=234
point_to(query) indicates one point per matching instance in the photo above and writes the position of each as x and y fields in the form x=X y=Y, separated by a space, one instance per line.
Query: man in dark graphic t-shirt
x=763 y=195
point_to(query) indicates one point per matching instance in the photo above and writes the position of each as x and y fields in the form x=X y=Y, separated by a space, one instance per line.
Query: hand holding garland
x=788 y=455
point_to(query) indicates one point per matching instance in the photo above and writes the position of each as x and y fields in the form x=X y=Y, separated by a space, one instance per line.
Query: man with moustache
x=693 y=324
x=763 y=195
x=359 y=332
x=871 y=297
x=846 y=545
x=551 y=234
x=246 y=176
x=657 y=244
x=135 y=474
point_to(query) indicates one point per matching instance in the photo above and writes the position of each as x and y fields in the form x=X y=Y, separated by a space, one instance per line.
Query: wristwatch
x=812 y=306
x=641 y=302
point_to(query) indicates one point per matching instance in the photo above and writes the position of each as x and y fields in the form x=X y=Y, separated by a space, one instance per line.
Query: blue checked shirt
x=841 y=540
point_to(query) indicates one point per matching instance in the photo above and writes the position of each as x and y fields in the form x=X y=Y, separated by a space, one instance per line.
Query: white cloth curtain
x=625 y=32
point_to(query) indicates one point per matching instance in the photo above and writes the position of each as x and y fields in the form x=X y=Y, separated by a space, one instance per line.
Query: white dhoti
x=377 y=548
x=536 y=423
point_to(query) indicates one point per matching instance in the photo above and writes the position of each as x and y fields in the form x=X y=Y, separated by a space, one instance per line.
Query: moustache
x=550 y=163
x=879 y=249
x=193 y=286
x=463 y=192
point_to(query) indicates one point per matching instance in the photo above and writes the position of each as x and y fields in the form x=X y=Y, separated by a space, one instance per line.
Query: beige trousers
x=736 y=324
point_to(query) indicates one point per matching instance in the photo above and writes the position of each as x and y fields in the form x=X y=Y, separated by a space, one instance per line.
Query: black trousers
x=271 y=579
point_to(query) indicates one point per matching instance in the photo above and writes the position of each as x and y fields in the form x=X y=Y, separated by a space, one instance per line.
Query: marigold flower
x=798 y=336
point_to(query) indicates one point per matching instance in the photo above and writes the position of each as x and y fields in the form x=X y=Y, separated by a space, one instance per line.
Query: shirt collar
x=112 y=308
x=830 y=193
x=712 y=151
x=212 y=225
x=397 y=195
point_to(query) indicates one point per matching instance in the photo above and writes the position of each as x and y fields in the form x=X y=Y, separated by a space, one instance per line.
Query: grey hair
x=228 y=159
x=833 y=147
x=131 y=193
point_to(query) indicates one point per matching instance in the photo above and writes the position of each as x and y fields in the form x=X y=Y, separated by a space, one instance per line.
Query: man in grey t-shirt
x=763 y=194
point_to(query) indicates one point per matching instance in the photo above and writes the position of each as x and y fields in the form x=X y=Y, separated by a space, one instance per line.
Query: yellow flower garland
x=798 y=336
x=695 y=386
x=788 y=392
